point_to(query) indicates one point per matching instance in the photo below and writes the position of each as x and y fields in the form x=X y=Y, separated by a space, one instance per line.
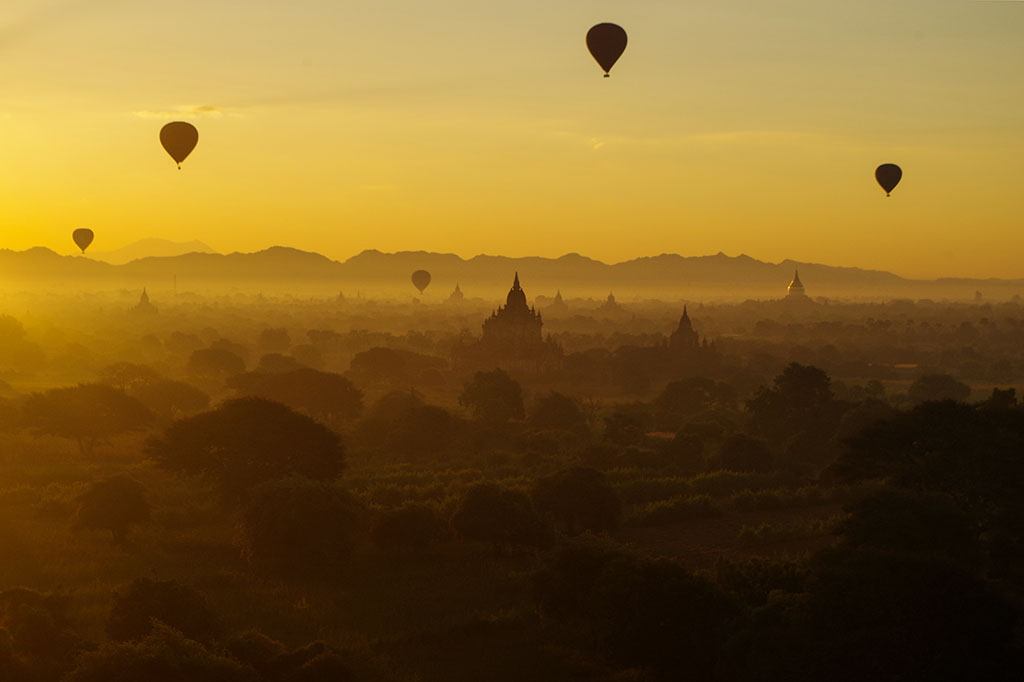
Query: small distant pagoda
x=610 y=305
x=558 y=304
x=144 y=306
x=457 y=296
x=796 y=289
x=685 y=337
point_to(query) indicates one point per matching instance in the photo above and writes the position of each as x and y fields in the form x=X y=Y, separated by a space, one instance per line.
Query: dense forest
x=284 y=489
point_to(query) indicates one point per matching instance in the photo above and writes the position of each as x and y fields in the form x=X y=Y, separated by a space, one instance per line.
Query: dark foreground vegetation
x=248 y=513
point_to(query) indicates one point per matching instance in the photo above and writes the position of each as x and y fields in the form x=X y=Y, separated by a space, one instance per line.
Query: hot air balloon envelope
x=83 y=237
x=179 y=139
x=606 y=43
x=888 y=176
x=421 y=279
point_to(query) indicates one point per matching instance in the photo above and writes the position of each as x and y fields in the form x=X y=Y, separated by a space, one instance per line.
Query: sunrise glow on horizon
x=337 y=126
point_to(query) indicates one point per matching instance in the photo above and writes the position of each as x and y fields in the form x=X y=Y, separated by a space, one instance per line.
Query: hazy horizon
x=103 y=253
x=489 y=130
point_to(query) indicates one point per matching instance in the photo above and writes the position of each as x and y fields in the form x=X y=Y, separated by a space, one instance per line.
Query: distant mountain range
x=488 y=277
x=149 y=248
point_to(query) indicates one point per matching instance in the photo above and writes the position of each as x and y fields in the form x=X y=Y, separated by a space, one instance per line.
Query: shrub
x=322 y=395
x=35 y=634
x=297 y=524
x=641 y=613
x=163 y=655
x=499 y=516
x=675 y=510
x=410 y=527
x=115 y=504
x=937 y=387
x=745 y=454
x=912 y=522
x=215 y=363
x=752 y=580
x=493 y=397
x=165 y=601
x=578 y=500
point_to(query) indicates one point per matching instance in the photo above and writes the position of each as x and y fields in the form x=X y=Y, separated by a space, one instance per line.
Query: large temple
x=512 y=339
x=514 y=324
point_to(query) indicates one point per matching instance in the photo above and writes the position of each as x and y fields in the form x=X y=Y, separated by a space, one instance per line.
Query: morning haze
x=626 y=342
x=732 y=127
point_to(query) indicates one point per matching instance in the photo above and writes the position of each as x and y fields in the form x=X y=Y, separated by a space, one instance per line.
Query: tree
x=171 y=399
x=86 y=413
x=166 y=601
x=626 y=425
x=308 y=355
x=386 y=415
x=1002 y=399
x=275 y=340
x=578 y=500
x=16 y=351
x=127 y=376
x=686 y=398
x=411 y=527
x=969 y=453
x=296 y=524
x=937 y=387
x=800 y=399
x=903 y=521
x=424 y=431
x=743 y=453
x=493 y=397
x=36 y=638
x=868 y=614
x=215 y=363
x=314 y=662
x=115 y=504
x=322 y=395
x=558 y=411
x=393 y=366
x=684 y=452
x=653 y=615
x=246 y=442
x=499 y=516
x=273 y=363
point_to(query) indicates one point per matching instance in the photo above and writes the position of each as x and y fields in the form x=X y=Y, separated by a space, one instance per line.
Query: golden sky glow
x=468 y=126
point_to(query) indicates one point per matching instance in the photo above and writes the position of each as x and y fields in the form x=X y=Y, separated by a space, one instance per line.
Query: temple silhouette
x=512 y=339
x=144 y=306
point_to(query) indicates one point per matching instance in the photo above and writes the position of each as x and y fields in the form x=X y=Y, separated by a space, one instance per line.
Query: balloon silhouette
x=421 y=279
x=83 y=236
x=606 y=43
x=888 y=176
x=179 y=139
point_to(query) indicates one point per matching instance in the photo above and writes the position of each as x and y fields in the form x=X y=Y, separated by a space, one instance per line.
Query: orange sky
x=744 y=127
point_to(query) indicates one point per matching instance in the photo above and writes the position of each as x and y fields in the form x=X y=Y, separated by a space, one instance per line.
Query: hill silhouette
x=486 y=276
x=150 y=247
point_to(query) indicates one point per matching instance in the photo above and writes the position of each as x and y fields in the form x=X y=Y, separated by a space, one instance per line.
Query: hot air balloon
x=421 y=279
x=607 y=42
x=83 y=236
x=179 y=139
x=888 y=176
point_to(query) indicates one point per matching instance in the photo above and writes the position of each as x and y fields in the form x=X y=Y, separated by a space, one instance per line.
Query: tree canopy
x=246 y=442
